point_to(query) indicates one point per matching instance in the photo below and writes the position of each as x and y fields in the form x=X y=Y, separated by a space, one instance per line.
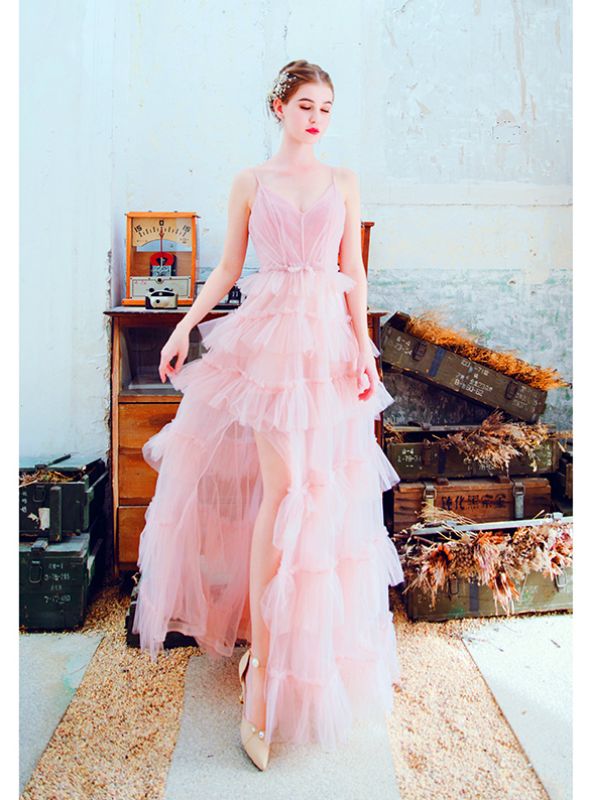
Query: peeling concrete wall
x=456 y=116
x=468 y=174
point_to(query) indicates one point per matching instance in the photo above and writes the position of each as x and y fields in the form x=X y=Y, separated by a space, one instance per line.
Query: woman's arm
x=351 y=261
x=221 y=279
x=228 y=270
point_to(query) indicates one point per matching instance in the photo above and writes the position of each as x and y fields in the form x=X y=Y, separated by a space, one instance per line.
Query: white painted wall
x=66 y=82
x=455 y=113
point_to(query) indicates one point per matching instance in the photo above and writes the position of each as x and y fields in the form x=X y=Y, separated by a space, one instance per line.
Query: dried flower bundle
x=496 y=442
x=499 y=560
x=393 y=435
x=429 y=326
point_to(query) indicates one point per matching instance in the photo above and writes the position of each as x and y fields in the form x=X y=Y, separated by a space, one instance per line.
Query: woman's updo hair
x=290 y=77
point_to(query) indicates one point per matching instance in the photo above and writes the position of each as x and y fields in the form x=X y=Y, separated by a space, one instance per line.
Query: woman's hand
x=176 y=345
x=367 y=373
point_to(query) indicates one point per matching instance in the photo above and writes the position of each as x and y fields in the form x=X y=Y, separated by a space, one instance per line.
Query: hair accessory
x=282 y=82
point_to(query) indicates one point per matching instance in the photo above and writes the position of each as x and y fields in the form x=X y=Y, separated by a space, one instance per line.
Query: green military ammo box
x=463 y=598
x=439 y=366
x=419 y=452
x=56 y=579
x=60 y=497
x=466 y=598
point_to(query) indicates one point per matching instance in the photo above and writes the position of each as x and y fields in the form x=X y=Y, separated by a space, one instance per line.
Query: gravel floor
x=116 y=739
x=449 y=737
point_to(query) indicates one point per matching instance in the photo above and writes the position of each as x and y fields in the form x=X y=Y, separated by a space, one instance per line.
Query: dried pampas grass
x=429 y=326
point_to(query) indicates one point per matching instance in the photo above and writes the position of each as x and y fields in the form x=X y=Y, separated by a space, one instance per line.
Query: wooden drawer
x=137 y=423
x=130 y=524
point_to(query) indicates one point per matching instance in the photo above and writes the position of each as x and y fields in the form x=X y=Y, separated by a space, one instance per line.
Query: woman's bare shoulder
x=348 y=182
x=246 y=176
x=346 y=174
x=244 y=186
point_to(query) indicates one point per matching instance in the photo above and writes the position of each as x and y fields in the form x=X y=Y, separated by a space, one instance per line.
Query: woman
x=266 y=522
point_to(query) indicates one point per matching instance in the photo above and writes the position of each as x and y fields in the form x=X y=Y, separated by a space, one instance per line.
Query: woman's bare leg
x=264 y=564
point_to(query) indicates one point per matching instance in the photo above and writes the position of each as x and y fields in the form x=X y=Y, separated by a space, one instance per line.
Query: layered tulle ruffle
x=286 y=368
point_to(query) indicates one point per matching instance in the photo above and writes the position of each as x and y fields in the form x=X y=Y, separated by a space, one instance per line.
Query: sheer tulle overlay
x=282 y=364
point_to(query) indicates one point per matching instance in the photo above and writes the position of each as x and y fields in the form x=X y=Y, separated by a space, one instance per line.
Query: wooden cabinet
x=140 y=405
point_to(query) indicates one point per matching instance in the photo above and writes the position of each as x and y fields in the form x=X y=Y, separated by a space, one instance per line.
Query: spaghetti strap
x=257 y=177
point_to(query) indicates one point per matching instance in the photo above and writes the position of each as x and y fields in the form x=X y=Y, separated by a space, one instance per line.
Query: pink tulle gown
x=283 y=363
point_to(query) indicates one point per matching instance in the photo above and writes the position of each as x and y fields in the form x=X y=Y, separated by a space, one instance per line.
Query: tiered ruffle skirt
x=283 y=364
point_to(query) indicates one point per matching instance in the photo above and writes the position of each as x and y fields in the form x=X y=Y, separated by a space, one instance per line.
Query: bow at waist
x=272 y=271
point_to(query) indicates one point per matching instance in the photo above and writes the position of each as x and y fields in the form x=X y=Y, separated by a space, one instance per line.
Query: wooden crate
x=458 y=374
x=481 y=499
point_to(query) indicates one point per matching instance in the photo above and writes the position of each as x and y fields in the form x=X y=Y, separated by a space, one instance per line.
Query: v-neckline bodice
x=263 y=187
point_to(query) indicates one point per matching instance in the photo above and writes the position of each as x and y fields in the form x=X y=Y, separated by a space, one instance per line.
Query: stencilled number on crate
x=470 y=381
x=408 y=456
x=461 y=502
x=403 y=345
x=472 y=385
x=472 y=366
x=55 y=574
x=59 y=600
x=518 y=400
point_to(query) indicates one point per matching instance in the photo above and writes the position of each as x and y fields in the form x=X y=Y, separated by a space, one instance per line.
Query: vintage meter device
x=161 y=257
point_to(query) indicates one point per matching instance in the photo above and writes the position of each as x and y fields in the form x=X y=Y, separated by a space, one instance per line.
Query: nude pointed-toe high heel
x=252 y=739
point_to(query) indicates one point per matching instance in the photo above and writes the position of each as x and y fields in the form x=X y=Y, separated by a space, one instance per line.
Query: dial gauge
x=149 y=232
